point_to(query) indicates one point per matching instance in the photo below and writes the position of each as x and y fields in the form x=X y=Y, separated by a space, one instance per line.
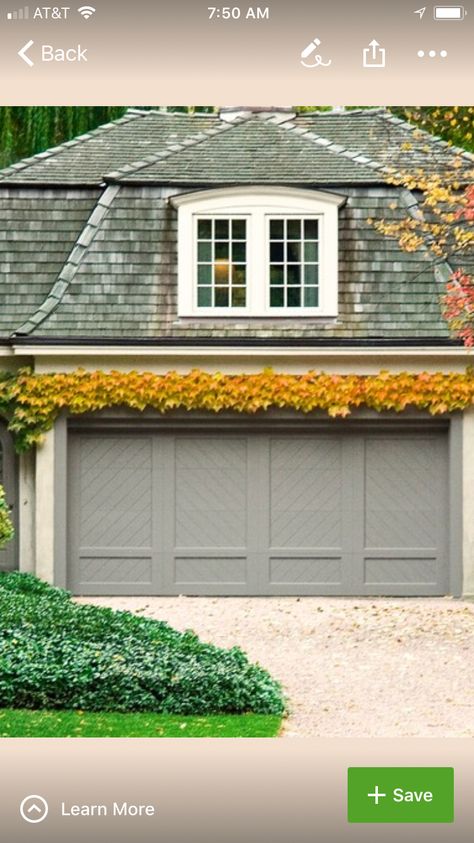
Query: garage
x=351 y=511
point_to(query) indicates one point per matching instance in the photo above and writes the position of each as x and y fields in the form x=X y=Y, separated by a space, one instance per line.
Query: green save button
x=400 y=795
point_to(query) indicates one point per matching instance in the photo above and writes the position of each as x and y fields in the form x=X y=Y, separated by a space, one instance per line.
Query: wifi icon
x=86 y=11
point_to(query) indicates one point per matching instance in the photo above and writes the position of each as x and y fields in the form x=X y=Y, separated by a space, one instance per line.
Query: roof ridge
x=143 y=112
x=336 y=148
x=72 y=263
x=324 y=112
x=174 y=148
x=360 y=157
x=55 y=150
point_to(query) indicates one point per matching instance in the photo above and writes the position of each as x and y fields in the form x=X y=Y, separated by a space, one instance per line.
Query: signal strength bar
x=19 y=14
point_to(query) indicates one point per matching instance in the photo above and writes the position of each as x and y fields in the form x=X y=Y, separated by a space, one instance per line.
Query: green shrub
x=6 y=526
x=55 y=654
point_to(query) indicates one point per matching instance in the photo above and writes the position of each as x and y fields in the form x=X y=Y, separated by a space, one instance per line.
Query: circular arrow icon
x=34 y=809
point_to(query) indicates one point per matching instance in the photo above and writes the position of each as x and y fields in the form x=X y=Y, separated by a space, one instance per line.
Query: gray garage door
x=258 y=514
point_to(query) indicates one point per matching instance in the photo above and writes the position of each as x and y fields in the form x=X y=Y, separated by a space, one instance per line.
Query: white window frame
x=257 y=205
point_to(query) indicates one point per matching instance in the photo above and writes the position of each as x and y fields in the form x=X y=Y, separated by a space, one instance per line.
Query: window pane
x=239 y=251
x=293 y=252
x=311 y=297
x=311 y=229
x=311 y=272
x=204 y=296
x=276 y=253
x=294 y=297
x=311 y=251
x=238 y=229
x=222 y=229
x=294 y=275
x=222 y=251
x=204 y=273
x=238 y=275
x=204 y=229
x=222 y=260
x=276 y=275
x=294 y=229
x=276 y=297
x=276 y=229
x=221 y=273
x=222 y=297
x=204 y=251
x=238 y=297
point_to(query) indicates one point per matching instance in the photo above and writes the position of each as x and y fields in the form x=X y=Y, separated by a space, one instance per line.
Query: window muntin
x=221 y=244
x=317 y=264
x=293 y=257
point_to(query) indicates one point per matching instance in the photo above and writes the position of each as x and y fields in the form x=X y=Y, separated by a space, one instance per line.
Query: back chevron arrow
x=23 y=51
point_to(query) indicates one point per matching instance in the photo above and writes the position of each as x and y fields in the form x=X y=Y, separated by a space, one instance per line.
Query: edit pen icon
x=318 y=60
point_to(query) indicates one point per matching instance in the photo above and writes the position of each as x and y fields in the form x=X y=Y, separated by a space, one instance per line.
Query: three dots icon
x=432 y=54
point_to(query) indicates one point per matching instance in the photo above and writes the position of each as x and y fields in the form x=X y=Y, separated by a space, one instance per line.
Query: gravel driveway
x=350 y=668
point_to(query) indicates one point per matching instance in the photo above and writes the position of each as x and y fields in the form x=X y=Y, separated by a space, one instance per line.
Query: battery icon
x=448 y=12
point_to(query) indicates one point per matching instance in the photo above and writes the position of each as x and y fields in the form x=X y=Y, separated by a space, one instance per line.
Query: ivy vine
x=31 y=402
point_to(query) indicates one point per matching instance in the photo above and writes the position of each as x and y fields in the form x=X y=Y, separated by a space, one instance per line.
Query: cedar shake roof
x=88 y=239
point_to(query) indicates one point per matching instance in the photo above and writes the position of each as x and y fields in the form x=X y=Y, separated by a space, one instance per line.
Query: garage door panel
x=115 y=569
x=305 y=492
x=402 y=571
x=211 y=492
x=305 y=571
x=402 y=492
x=212 y=571
x=114 y=479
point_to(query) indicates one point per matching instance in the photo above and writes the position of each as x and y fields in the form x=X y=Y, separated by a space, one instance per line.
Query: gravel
x=368 y=667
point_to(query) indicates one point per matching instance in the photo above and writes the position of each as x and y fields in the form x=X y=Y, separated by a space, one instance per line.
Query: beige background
x=219 y=790
x=156 y=52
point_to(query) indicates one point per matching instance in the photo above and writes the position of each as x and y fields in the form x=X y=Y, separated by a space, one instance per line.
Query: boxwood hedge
x=56 y=654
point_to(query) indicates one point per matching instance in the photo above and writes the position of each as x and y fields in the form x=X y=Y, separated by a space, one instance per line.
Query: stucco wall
x=236 y=361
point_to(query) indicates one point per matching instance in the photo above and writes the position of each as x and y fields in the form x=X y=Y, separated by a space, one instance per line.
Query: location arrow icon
x=22 y=53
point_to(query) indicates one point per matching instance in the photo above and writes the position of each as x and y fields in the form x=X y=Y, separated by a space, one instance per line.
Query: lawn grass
x=25 y=723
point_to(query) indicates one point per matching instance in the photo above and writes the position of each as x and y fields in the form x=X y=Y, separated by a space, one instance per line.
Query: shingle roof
x=86 y=159
x=126 y=281
x=36 y=233
x=372 y=139
x=251 y=151
x=86 y=254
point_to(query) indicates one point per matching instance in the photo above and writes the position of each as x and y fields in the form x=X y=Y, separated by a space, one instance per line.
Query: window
x=267 y=252
x=293 y=262
x=221 y=262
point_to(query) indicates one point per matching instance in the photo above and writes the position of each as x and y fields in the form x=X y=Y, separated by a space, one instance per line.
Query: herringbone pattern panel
x=380 y=571
x=310 y=571
x=116 y=492
x=305 y=489
x=211 y=492
x=208 y=570
x=402 y=489
x=115 y=570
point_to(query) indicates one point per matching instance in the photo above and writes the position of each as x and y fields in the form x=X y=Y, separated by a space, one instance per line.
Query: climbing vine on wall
x=31 y=402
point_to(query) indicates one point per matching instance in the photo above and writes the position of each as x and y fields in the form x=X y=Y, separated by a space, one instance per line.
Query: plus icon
x=376 y=795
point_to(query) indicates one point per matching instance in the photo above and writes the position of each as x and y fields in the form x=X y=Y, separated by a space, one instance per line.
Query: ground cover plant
x=56 y=654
